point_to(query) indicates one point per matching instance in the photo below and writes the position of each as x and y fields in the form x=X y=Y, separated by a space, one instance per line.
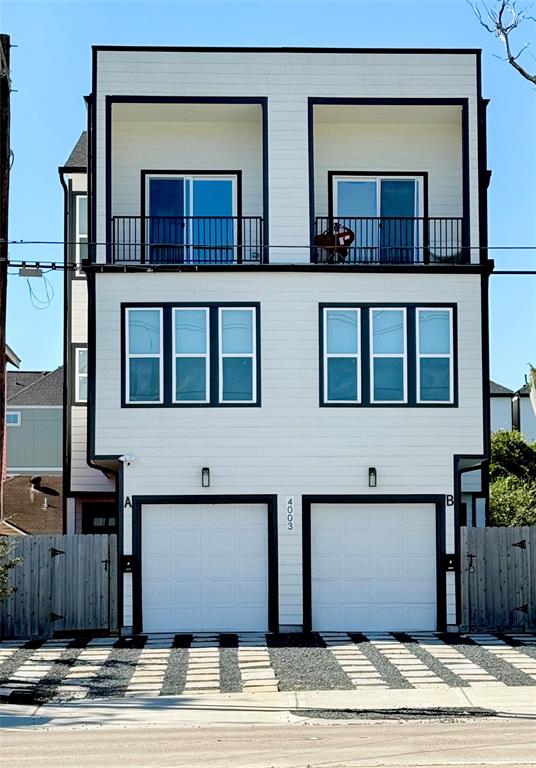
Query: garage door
x=373 y=567
x=204 y=567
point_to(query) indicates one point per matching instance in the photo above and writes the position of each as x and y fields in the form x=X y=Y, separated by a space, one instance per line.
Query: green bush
x=512 y=501
x=511 y=455
x=5 y=565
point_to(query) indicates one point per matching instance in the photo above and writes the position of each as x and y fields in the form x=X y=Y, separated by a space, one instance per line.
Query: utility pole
x=5 y=161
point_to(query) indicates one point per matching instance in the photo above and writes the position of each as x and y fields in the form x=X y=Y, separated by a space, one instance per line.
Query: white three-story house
x=287 y=339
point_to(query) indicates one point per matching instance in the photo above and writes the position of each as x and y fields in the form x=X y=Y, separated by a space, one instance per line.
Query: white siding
x=433 y=147
x=501 y=413
x=528 y=419
x=287 y=79
x=83 y=477
x=79 y=312
x=289 y=446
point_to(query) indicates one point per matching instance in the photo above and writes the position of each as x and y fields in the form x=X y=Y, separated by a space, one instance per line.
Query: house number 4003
x=290 y=513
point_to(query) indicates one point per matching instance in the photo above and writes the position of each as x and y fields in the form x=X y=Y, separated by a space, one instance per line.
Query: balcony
x=389 y=240
x=187 y=240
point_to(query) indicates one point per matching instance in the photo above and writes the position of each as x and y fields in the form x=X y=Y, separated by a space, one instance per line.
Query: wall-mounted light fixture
x=205 y=477
x=372 y=477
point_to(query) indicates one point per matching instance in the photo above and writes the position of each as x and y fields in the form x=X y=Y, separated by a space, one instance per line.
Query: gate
x=64 y=584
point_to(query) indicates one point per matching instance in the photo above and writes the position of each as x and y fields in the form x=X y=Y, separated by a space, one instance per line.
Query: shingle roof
x=19 y=380
x=24 y=509
x=525 y=390
x=45 y=389
x=78 y=156
x=498 y=389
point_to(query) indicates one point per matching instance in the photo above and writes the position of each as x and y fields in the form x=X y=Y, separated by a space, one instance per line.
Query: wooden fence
x=498 y=578
x=65 y=584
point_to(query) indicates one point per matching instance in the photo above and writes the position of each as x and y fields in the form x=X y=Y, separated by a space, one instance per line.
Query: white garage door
x=204 y=567
x=373 y=567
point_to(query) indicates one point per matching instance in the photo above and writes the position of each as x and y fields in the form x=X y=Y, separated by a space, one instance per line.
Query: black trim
x=462 y=102
x=271 y=504
x=411 y=372
x=422 y=174
x=416 y=269
x=167 y=353
x=262 y=101
x=441 y=580
x=75 y=345
x=283 y=49
x=66 y=428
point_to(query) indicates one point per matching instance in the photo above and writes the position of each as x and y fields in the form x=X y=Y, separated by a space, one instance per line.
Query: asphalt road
x=485 y=743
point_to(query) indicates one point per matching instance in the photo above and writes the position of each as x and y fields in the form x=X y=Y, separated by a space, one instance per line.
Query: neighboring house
x=524 y=418
x=286 y=420
x=28 y=511
x=90 y=503
x=34 y=422
x=9 y=358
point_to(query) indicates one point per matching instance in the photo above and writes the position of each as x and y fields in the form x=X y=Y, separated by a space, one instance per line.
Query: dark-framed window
x=79 y=376
x=99 y=517
x=388 y=355
x=191 y=355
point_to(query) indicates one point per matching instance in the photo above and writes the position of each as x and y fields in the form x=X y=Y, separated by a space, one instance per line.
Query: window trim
x=327 y=355
x=428 y=355
x=78 y=261
x=205 y=355
x=411 y=370
x=389 y=355
x=77 y=375
x=18 y=422
x=252 y=355
x=139 y=355
x=167 y=355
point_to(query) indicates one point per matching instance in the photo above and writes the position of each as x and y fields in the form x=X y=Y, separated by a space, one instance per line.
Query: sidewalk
x=262 y=709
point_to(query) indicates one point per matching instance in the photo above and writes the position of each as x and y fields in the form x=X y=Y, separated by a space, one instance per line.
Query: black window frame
x=411 y=354
x=75 y=346
x=168 y=356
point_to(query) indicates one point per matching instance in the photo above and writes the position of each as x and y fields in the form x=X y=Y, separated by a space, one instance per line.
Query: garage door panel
x=373 y=567
x=204 y=567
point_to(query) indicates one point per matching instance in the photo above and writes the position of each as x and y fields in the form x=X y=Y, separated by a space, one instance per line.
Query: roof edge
x=283 y=49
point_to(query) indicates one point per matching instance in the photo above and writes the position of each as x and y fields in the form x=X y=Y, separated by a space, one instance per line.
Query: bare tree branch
x=501 y=20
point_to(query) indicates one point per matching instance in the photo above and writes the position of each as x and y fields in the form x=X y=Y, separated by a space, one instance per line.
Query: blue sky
x=51 y=71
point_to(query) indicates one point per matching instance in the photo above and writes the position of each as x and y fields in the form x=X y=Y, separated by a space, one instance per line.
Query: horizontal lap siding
x=79 y=312
x=287 y=79
x=174 y=145
x=83 y=477
x=433 y=147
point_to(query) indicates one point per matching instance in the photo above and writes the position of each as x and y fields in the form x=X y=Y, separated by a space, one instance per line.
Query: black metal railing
x=187 y=240
x=389 y=240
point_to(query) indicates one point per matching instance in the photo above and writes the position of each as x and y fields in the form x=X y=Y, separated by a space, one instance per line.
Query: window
x=237 y=355
x=192 y=355
x=434 y=355
x=388 y=356
x=81 y=229
x=191 y=352
x=81 y=375
x=341 y=355
x=13 y=418
x=144 y=356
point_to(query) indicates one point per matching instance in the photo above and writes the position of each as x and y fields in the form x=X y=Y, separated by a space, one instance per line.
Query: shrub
x=512 y=501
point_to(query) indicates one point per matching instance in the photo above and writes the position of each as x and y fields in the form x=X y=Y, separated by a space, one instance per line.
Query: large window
x=192 y=355
x=434 y=355
x=341 y=356
x=144 y=356
x=81 y=229
x=388 y=355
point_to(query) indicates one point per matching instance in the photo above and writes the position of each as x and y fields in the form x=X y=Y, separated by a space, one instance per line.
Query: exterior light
x=372 y=477
x=205 y=477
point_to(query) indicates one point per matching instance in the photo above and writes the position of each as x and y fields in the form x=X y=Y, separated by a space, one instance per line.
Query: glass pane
x=213 y=227
x=397 y=197
x=237 y=378
x=190 y=331
x=213 y=197
x=342 y=331
x=166 y=226
x=82 y=361
x=12 y=418
x=82 y=216
x=144 y=331
x=435 y=378
x=144 y=379
x=190 y=380
x=388 y=379
x=388 y=331
x=166 y=197
x=342 y=378
x=434 y=332
x=82 y=247
x=82 y=389
x=237 y=331
x=356 y=198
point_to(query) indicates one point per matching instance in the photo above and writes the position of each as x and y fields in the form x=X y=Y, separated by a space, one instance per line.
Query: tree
x=6 y=564
x=513 y=479
x=502 y=20
x=512 y=455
